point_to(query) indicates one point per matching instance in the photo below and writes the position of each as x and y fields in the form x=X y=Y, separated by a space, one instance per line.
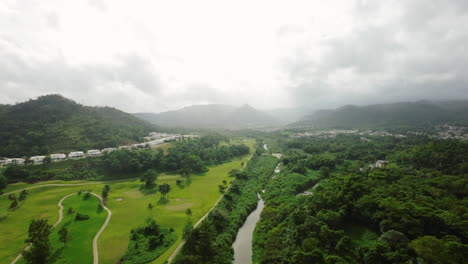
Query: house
x=108 y=150
x=380 y=163
x=93 y=153
x=76 y=155
x=36 y=160
x=15 y=161
x=58 y=157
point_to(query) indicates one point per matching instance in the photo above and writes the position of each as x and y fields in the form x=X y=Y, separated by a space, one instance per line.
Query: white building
x=36 y=160
x=94 y=153
x=76 y=155
x=58 y=157
x=108 y=150
x=15 y=161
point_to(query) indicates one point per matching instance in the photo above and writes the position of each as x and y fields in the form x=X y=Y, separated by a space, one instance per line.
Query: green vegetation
x=186 y=157
x=412 y=208
x=128 y=202
x=53 y=123
x=211 y=241
x=148 y=242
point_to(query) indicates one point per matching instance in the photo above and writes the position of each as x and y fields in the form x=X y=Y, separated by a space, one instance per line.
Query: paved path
x=95 y=240
x=95 y=247
x=56 y=223
x=68 y=184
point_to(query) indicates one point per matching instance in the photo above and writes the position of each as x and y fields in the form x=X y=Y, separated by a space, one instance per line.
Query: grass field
x=81 y=233
x=128 y=204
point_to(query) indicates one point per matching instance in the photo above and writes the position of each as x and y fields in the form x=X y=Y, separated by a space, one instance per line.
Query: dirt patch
x=118 y=199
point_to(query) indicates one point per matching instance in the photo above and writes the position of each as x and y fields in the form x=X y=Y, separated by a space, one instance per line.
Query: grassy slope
x=128 y=213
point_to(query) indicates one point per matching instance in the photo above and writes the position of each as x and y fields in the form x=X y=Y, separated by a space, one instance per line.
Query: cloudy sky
x=143 y=56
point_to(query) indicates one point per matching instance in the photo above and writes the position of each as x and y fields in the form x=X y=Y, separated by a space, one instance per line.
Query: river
x=243 y=243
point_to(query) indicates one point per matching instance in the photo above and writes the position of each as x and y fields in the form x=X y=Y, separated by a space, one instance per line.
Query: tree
x=150 y=206
x=164 y=189
x=188 y=212
x=11 y=197
x=105 y=192
x=38 y=236
x=14 y=204
x=63 y=235
x=47 y=159
x=87 y=196
x=3 y=182
x=149 y=178
x=221 y=188
x=23 y=195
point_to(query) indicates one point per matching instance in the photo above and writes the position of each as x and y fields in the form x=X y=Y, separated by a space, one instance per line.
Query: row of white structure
x=153 y=139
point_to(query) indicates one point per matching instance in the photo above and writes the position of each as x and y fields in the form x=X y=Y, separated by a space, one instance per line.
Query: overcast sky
x=151 y=56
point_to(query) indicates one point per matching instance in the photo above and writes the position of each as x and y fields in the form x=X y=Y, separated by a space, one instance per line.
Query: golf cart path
x=59 y=204
x=68 y=184
x=95 y=240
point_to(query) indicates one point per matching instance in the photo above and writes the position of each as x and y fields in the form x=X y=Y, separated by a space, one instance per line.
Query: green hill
x=406 y=114
x=54 y=123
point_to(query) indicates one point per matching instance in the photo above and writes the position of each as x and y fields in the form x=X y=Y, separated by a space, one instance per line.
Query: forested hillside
x=53 y=123
x=412 y=210
x=395 y=115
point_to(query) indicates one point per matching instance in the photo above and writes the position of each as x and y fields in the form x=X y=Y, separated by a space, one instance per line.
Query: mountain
x=54 y=123
x=213 y=116
x=406 y=114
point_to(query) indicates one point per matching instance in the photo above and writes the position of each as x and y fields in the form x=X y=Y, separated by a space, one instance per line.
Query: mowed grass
x=128 y=204
x=40 y=203
x=79 y=248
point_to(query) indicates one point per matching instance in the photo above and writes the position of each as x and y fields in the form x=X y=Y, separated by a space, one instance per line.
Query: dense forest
x=211 y=241
x=413 y=210
x=53 y=123
x=185 y=156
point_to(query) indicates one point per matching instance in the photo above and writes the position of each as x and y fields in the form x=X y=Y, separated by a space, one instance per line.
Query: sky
x=153 y=56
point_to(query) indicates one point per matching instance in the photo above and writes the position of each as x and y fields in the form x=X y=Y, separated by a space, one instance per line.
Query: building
x=76 y=155
x=15 y=161
x=108 y=150
x=94 y=153
x=36 y=160
x=58 y=157
x=380 y=163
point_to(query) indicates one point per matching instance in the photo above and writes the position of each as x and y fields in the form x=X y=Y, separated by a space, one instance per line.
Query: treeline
x=212 y=241
x=416 y=206
x=186 y=157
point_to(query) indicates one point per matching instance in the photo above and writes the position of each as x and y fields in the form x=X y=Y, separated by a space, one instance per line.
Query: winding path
x=95 y=246
x=67 y=184
x=95 y=240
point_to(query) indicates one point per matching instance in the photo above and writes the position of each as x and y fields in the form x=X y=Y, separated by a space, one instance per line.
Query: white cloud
x=159 y=55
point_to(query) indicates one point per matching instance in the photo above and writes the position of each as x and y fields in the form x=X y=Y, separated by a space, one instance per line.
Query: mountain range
x=213 y=116
x=405 y=114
